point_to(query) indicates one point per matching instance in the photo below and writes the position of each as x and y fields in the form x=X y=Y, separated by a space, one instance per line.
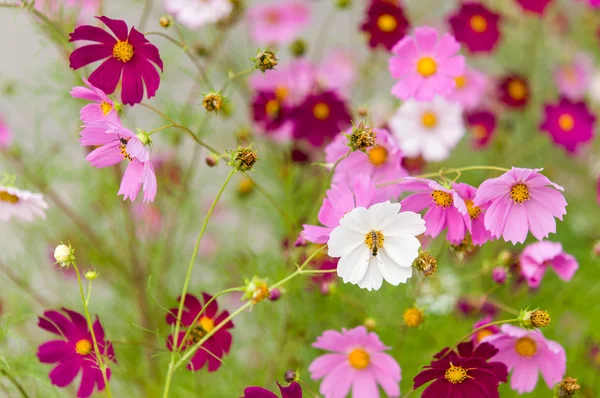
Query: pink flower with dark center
x=291 y=83
x=475 y=214
x=483 y=126
x=476 y=27
x=573 y=79
x=292 y=391
x=537 y=257
x=385 y=24
x=279 y=23
x=116 y=144
x=445 y=208
x=513 y=91
x=521 y=201
x=5 y=134
x=272 y=114
x=528 y=353
x=534 y=6
x=73 y=351
x=470 y=88
x=425 y=65
x=130 y=55
x=569 y=124
x=197 y=325
x=357 y=363
x=101 y=108
x=483 y=333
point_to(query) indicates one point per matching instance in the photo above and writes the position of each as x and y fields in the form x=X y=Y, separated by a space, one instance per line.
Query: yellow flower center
x=321 y=111
x=83 y=347
x=519 y=193
x=359 y=359
x=517 y=90
x=281 y=92
x=566 y=122
x=387 y=23
x=461 y=81
x=426 y=66
x=442 y=198
x=455 y=374
x=429 y=120
x=206 y=323
x=479 y=131
x=413 y=317
x=272 y=108
x=378 y=156
x=526 y=347
x=473 y=210
x=105 y=107
x=374 y=240
x=123 y=148
x=7 y=197
x=123 y=51
x=478 y=23
x=482 y=334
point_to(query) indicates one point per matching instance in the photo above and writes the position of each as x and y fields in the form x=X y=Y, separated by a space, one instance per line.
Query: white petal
x=406 y=222
x=392 y=272
x=343 y=241
x=352 y=267
x=402 y=249
x=357 y=220
x=373 y=279
x=382 y=214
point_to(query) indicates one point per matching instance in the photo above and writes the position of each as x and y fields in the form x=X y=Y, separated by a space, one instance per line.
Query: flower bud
x=597 y=249
x=212 y=102
x=64 y=255
x=566 y=388
x=143 y=137
x=504 y=257
x=290 y=376
x=370 y=324
x=274 y=294
x=534 y=319
x=361 y=138
x=256 y=290
x=499 y=275
x=211 y=161
x=425 y=263
x=165 y=21
x=413 y=317
x=342 y=4
x=265 y=60
x=298 y=48
x=243 y=159
x=245 y=188
x=91 y=275
x=300 y=241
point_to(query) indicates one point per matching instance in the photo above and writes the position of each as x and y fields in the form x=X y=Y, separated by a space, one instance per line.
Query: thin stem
x=443 y=172
x=15 y=382
x=501 y=306
x=145 y=14
x=7 y=270
x=271 y=200
x=235 y=76
x=153 y=109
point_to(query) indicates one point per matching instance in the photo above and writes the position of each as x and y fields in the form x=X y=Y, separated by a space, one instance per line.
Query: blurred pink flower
x=569 y=123
x=148 y=220
x=483 y=333
x=195 y=14
x=5 y=134
x=290 y=82
x=573 y=79
x=470 y=88
x=279 y=23
x=24 y=205
x=476 y=27
x=537 y=257
x=483 y=126
x=102 y=107
x=534 y=6
x=337 y=72
x=474 y=215
x=83 y=10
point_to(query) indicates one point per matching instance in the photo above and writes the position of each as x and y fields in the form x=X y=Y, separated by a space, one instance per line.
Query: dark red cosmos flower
x=476 y=27
x=292 y=391
x=569 y=123
x=269 y=111
x=320 y=118
x=535 y=6
x=466 y=373
x=514 y=91
x=483 y=126
x=216 y=346
x=385 y=23
x=74 y=351
x=128 y=54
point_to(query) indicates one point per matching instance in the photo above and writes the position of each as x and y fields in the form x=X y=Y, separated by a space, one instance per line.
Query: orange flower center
x=517 y=90
x=429 y=120
x=442 y=198
x=479 y=131
x=281 y=92
x=566 y=122
x=7 y=197
x=105 y=107
x=386 y=23
x=519 y=193
x=359 y=359
x=461 y=81
x=426 y=66
x=455 y=374
x=378 y=156
x=272 y=108
x=321 y=111
x=478 y=23
x=123 y=51
x=482 y=334
x=206 y=323
x=526 y=347
x=83 y=347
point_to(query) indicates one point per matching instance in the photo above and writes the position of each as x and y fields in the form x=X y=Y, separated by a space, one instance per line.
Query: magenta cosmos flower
x=537 y=257
x=216 y=346
x=425 y=64
x=483 y=126
x=385 y=24
x=5 y=134
x=465 y=372
x=475 y=214
x=520 y=201
x=130 y=54
x=358 y=362
x=115 y=144
x=534 y=6
x=292 y=391
x=574 y=78
x=513 y=91
x=271 y=113
x=341 y=198
x=483 y=333
x=476 y=27
x=445 y=208
x=569 y=123
x=470 y=88
x=291 y=82
x=382 y=162
x=101 y=108
x=73 y=351
x=279 y=23
x=526 y=353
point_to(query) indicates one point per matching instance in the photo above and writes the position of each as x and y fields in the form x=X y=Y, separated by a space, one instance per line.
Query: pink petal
x=406 y=88
x=132 y=91
x=149 y=183
x=118 y=27
x=426 y=39
x=540 y=220
x=321 y=366
x=88 y=379
x=87 y=54
x=105 y=156
x=84 y=93
x=55 y=351
x=516 y=230
x=151 y=77
x=565 y=266
x=524 y=376
x=453 y=67
x=446 y=47
x=107 y=75
x=364 y=385
x=136 y=149
x=131 y=184
x=64 y=373
x=316 y=234
x=92 y=33
x=435 y=221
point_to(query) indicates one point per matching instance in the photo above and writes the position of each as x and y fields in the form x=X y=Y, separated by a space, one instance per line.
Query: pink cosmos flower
x=483 y=126
x=483 y=333
x=337 y=72
x=85 y=9
x=5 y=134
x=130 y=54
x=272 y=115
x=279 y=23
x=470 y=88
x=102 y=107
x=385 y=23
x=569 y=123
x=341 y=198
x=520 y=201
x=534 y=6
x=195 y=14
x=528 y=353
x=573 y=79
x=358 y=362
x=445 y=208
x=474 y=215
x=116 y=143
x=73 y=351
x=290 y=82
x=292 y=391
x=20 y=204
x=537 y=257
x=382 y=162
x=425 y=64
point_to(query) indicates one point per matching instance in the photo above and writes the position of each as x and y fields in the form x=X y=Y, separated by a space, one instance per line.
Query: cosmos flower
x=534 y=6
x=592 y=3
x=337 y=72
x=341 y=198
x=483 y=333
x=130 y=54
x=291 y=82
x=216 y=346
x=115 y=144
x=470 y=88
x=279 y=23
x=574 y=78
x=101 y=108
x=537 y=257
x=514 y=91
x=521 y=202
x=73 y=351
x=82 y=10
x=569 y=123
x=375 y=244
x=381 y=162
x=476 y=27
x=292 y=391
x=445 y=208
x=526 y=353
x=195 y=14
x=464 y=372
x=425 y=64
x=356 y=365
x=430 y=129
x=475 y=214
x=483 y=126
x=385 y=24
x=5 y=134
x=23 y=205
x=272 y=115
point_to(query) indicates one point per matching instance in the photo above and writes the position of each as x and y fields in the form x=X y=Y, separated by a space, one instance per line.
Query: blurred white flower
x=197 y=13
x=23 y=205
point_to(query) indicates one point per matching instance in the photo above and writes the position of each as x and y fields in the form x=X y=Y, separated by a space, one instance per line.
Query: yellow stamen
x=272 y=108
x=206 y=323
x=479 y=131
x=566 y=122
x=83 y=347
x=413 y=317
x=461 y=81
x=517 y=90
x=426 y=66
x=442 y=198
x=455 y=374
x=123 y=149
x=321 y=111
x=359 y=359
x=519 y=193
x=378 y=156
x=7 y=197
x=374 y=240
x=123 y=51
x=473 y=210
x=105 y=107
x=429 y=120
x=478 y=23
x=526 y=347
x=281 y=92
x=386 y=23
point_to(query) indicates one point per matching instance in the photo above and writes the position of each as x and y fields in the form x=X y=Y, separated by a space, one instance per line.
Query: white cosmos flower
x=430 y=129
x=23 y=205
x=395 y=243
x=197 y=13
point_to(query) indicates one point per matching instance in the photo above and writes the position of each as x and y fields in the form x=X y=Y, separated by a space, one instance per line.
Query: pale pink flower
x=20 y=204
x=470 y=88
x=197 y=13
x=5 y=134
x=537 y=257
x=573 y=79
x=278 y=23
x=337 y=72
x=474 y=215
x=101 y=108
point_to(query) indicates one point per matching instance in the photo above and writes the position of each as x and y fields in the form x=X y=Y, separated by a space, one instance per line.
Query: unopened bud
x=425 y=263
x=211 y=161
x=165 y=21
x=212 y=102
x=64 y=255
x=534 y=319
x=91 y=275
x=256 y=290
x=370 y=324
x=566 y=388
x=245 y=187
x=290 y=376
x=265 y=60
x=499 y=275
x=298 y=48
x=361 y=138
x=274 y=294
x=342 y=4
x=243 y=159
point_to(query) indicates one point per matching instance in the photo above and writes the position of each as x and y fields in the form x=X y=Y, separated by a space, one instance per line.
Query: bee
x=375 y=245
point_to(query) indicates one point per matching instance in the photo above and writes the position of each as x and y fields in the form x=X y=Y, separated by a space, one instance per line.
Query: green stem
x=443 y=172
x=272 y=200
x=15 y=382
x=235 y=76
